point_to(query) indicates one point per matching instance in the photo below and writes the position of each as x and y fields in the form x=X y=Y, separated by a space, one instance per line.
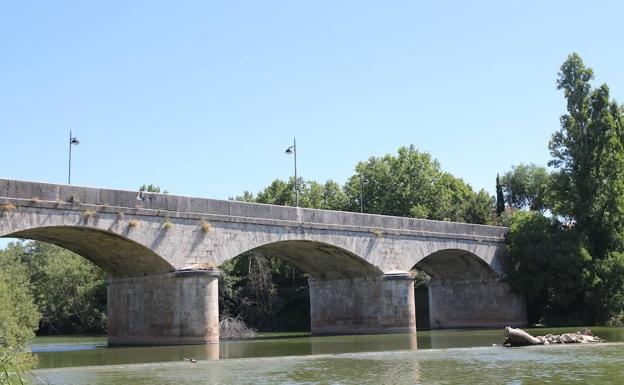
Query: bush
x=234 y=327
x=18 y=321
x=546 y=261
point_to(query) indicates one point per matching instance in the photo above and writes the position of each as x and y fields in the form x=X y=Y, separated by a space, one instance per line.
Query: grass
x=377 y=233
x=134 y=223
x=167 y=224
x=89 y=213
x=206 y=226
x=7 y=207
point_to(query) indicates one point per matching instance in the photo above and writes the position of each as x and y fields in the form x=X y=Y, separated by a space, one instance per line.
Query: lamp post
x=362 y=183
x=293 y=150
x=72 y=142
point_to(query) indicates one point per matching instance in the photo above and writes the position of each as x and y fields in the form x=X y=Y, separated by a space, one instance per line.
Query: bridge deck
x=37 y=193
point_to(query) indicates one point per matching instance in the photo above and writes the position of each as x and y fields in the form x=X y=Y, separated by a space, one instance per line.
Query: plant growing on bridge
x=7 y=207
x=34 y=200
x=206 y=226
x=134 y=223
x=89 y=213
x=167 y=224
x=376 y=232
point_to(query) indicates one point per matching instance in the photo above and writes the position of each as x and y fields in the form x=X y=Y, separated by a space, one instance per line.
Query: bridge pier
x=161 y=309
x=363 y=305
x=474 y=304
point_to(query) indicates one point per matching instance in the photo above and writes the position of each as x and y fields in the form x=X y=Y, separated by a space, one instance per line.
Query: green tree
x=268 y=293
x=411 y=183
x=547 y=263
x=452 y=195
x=525 y=187
x=479 y=208
x=70 y=292
x=587 y=151
x=18 y=318
x=500 y=198
x=573 y=269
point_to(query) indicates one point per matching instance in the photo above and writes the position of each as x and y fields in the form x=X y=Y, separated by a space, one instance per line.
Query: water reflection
x=599 y=364
x=72 y=351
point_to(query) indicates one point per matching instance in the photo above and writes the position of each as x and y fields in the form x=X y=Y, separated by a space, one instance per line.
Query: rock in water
x=518 y=337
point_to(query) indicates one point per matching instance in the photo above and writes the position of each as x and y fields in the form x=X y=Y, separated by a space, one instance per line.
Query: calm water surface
x=438 y=357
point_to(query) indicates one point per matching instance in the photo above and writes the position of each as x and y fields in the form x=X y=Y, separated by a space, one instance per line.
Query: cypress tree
x=500 y=199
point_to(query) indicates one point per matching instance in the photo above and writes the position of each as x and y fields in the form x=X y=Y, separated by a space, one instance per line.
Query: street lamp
x=362 y=183
x=293 y=150
x=72 y=141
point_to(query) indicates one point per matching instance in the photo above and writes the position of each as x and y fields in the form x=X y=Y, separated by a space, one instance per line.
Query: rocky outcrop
x=518 y=337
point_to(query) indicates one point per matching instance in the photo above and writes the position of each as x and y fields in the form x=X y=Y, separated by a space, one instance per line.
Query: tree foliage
x=412 y=183
x=525 y=187
x=69 y=291
x=500 y=197
x=18 y=319
x=268 y=293
x=572 y=264
x=589 y=157
x=547 y=262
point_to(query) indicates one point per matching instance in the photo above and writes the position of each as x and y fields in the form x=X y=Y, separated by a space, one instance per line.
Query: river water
x=436 y=357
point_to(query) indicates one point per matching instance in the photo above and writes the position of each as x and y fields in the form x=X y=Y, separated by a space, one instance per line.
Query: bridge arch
x=119 y=256
x=322 y=260
x=456 y=265
x=466 y=291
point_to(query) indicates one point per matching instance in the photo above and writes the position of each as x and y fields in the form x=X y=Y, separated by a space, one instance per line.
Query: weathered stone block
x=4 y=187
x=210 y=206
x=250 y=210
x=283 y=213
x=74 y=194
x=118 y=198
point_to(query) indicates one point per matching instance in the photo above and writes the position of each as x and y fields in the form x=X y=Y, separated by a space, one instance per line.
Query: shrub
x=234 y=327
x=377 y=233
x=7 y=207
x=89 y=213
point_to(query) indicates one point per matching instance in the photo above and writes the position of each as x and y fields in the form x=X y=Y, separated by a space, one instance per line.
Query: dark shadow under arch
x=113 y=253
x=320 y=260
x=456 y=265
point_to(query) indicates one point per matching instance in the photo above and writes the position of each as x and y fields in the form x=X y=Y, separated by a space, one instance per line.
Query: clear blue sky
x=201 y=98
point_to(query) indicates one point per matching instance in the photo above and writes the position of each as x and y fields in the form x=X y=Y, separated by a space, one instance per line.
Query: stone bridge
x=162 y=254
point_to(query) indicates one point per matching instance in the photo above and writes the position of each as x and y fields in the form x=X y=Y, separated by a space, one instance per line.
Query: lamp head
x=74 y=141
